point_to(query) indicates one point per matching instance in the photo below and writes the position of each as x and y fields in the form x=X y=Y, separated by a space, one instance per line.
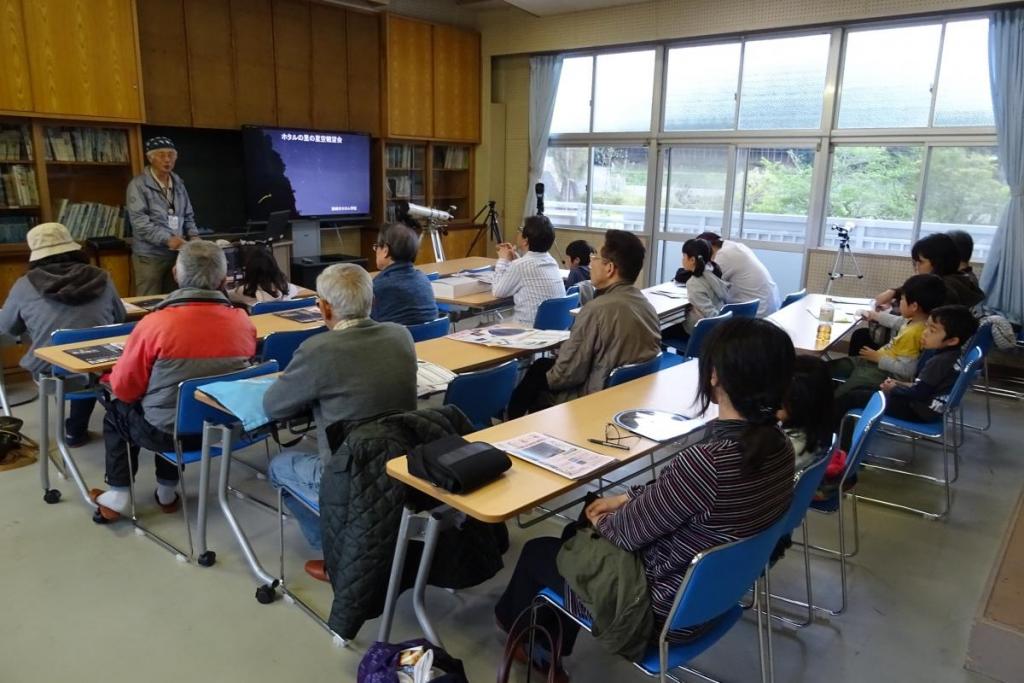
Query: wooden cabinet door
x=210 y=63
x=255 y=82
x=82 y=57
x=15 y=83
x=456 y=84
x=292 y=61
x=364 y=72
x=164 y=54
x=330 y=67
x=410 y=74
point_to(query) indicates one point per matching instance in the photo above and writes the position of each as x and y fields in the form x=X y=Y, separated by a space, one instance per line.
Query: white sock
x=117 y=499
x=165 y=494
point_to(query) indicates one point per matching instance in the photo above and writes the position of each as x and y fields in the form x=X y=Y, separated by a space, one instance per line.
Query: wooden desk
x=670 y=309
x=134 y=312
x=481 y=301
x=460 y=356
x=457 y=264
x=525 y=486
x=800 y=320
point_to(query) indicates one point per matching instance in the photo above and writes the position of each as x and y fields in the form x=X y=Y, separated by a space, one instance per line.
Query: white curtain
x=544 y=74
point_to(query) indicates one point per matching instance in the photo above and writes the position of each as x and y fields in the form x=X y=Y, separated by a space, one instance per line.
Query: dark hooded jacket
x=56 y=296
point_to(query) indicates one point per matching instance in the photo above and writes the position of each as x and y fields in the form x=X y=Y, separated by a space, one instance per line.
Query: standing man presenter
x=161 y=217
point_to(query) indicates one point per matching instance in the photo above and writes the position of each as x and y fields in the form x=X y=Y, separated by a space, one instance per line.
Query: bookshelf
x=19 y=187
x=438 y=175
x=451 y=183
x=405 y=176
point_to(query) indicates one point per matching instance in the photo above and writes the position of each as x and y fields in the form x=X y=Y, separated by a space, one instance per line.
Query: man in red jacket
x=194 y=332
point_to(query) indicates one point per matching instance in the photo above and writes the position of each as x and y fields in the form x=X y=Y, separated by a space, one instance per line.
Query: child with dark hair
x=806 y=414
x=262 y=279
x=706 y=291
x=922 y=400
x=898 y=358
x=965 y=245
x=577 y=256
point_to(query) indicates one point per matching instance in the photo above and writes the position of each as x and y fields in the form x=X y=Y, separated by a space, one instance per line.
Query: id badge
x=174 y=223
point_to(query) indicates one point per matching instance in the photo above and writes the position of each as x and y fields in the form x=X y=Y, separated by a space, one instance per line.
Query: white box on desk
x=457 y=286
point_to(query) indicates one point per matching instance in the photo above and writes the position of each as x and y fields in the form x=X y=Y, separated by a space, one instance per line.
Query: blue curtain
x=1003 y=276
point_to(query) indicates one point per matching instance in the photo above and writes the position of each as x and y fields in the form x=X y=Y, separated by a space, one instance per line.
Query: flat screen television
x=312 y=173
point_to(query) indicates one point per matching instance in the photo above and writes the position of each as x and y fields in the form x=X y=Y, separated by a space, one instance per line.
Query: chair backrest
x=483 y=394
x=554 y=314
x=865 y=428
x=807 y=482
x=434 y=276
x=281 y=346
x=430 y=330
x=742 y=309
x=574 y=289
x=58 y=337
x=627 y=373
x=701 y=330
x=793 y=297
x=191 y=413
x=982 y=339
x=719 y=577
x=969 y=367
x=278 y=306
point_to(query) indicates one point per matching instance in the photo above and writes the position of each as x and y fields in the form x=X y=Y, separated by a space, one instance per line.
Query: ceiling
x=543 y=8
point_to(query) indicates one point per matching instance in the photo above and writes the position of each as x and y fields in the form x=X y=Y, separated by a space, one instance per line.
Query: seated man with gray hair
x=401 y=293
x=358 y=370
x=194 y=332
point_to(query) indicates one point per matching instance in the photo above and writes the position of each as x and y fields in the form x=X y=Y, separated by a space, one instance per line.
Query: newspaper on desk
x=512 y=337
x=431 y=378
x=555 y=455
x=669 y=290
x=484 y=276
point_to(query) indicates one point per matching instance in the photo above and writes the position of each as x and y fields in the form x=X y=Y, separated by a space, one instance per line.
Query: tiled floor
x=90 y=603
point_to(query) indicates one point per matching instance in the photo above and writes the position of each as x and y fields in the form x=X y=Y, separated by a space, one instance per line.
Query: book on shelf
x=90 y=219
x=13 y=229
x=15 y=143
x=18 y=186
x=455 y=158
x=108 y=145
x=404 y=157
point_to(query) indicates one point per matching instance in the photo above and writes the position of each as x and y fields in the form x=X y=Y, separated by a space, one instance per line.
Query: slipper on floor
x=171 y=507
x=107 y=513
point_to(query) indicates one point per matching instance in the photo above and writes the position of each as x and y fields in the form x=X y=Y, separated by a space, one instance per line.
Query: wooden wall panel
x=210 y=63
x=293 y=63
x=82 y=57
x=364 y=73
x=252 y=32
x=330 y=67
x=15 y=83
x=164 y=54
x=456 y=84
x=410 y=86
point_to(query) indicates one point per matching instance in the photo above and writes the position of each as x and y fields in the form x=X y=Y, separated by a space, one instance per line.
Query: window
x=700 y=90
x=572 y=102
x=619 y=188
x=783 y=82
x=624 y=86
x=964 y=95
x=772 y=194
x=963 y=191
x=566 y=172
x=876 y=188
x=694 y=189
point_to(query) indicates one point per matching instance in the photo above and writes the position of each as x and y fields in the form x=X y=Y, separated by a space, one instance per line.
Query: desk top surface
x=524 y=485
x=800 y=320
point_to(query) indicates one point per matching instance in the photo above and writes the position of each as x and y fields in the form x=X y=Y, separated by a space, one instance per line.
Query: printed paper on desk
x=512 y=337
x=242 y=398
x=431 y=378
x=553 y=454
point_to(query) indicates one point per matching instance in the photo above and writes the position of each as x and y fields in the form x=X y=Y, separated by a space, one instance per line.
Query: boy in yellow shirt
x=897 y=359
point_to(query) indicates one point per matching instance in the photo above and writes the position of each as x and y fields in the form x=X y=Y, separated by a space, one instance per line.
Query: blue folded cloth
x=243 y=398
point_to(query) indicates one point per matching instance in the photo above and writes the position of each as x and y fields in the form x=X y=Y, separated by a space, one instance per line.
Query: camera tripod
x=843 y=253
x=490 y=223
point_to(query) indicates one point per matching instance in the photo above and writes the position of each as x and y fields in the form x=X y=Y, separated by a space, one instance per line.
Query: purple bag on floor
x=380 y=663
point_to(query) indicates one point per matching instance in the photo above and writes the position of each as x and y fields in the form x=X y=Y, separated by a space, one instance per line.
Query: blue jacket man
x=401 y=293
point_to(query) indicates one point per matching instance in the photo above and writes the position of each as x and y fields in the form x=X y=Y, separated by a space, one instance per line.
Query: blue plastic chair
x=573 y=289
x=690 y=347
x=278 y=306
x=430 y=330
x=483 y=394
x=742 y=309
x=942 y=430
x=631 y=371
x=983 y=340
x=189 y=420
x=715 y=582
x=554 y=314
x=670 y=360
x=281 y=346
x=793 y=297
x=868 y=422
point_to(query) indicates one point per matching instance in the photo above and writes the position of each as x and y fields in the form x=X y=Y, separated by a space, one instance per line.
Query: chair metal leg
x=184 y=504
x=3 y=396
x=809 y=604
x=395 y=581
x=768 y=623
x=987 y=391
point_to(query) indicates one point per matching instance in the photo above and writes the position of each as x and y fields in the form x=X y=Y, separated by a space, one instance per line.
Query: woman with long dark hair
x=262 y=279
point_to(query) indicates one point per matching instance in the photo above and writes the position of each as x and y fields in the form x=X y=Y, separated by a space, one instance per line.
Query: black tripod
x=844 y=251
x=491 y=221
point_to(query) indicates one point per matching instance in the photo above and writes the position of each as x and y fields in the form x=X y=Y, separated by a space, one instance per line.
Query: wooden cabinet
x=330 y=67
x=15 y=88
x=292 y=61
x=82 y=58
x=432 y=174
x=164 y=59
x=210 y=63
x=433 y=81
x=252 y=38
x=364 y=73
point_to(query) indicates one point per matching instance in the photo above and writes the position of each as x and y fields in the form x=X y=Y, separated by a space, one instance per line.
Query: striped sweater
x=700 y=500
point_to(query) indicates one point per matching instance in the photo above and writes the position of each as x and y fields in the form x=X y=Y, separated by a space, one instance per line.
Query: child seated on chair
x=706 y=291
x=806 y=414
x=898 y=358
x=577 y=257
x=948 y=328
